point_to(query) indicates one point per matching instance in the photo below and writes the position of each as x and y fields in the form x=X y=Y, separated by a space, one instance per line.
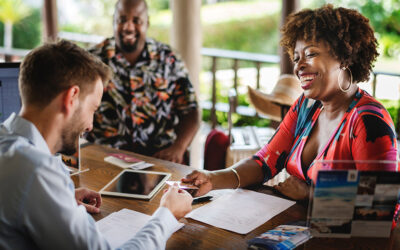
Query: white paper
x=121 y=226
x=123 y=164
x=240 y=211
x=142 y=165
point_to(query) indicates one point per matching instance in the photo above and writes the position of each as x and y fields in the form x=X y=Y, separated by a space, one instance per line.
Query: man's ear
x=71 y=99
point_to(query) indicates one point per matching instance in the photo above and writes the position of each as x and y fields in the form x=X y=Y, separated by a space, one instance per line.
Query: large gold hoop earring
x=339 y=81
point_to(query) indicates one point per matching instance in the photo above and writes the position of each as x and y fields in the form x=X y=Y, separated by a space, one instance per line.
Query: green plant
x=11 y=12
x=27 y=32
x=258 y=35
x=238 y=120
x=158 y=4
x=392 y=106
x=390 y=44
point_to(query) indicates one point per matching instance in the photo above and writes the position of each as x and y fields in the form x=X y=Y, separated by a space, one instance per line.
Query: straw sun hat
x=285 y=93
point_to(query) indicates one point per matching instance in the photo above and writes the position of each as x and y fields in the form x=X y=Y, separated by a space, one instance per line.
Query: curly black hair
x=347 y=33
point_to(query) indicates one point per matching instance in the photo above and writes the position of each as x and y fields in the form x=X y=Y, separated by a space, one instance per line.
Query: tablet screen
x=136 y=184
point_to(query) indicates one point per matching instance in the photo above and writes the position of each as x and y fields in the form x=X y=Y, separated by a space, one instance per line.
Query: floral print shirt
x=143 y=103
x=366 y=132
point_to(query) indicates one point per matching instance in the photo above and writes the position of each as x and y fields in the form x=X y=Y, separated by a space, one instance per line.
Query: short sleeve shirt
x=143 y=103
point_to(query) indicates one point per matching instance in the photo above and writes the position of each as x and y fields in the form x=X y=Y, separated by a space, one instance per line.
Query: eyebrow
x=311 y=45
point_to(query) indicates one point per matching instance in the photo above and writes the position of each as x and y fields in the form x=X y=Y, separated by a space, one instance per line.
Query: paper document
x=123 y=164
x=240 y=211
x=121 y=226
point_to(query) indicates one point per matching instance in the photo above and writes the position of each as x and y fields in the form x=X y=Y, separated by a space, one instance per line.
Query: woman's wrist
x=222 y=179
x=213 y=178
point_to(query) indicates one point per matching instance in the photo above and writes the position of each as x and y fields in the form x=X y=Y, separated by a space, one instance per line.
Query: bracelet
x=237 y=176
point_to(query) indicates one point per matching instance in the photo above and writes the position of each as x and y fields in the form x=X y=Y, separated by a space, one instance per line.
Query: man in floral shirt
x=150 y=106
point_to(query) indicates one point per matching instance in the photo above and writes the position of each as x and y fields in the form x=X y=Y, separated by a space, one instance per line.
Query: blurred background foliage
x=243 y=25
x=27 y=32
x=25 y=21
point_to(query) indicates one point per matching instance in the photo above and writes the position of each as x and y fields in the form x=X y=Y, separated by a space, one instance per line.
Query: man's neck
x=46 y=124
x=132 y=57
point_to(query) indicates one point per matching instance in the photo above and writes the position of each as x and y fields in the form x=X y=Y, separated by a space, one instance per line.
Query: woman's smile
x=307 y=80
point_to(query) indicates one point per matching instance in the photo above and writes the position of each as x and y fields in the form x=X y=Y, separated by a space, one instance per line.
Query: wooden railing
x=236 y=57
x=374 y=82
x=10 y=55
x=215 y=54
x=375 y=74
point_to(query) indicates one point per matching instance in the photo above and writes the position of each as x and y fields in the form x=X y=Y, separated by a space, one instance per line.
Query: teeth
x=306 y=78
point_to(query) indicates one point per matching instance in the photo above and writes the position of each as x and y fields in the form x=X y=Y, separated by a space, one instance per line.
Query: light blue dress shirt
x=38 y=209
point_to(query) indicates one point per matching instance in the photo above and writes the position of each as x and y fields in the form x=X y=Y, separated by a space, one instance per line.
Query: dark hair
x=54 y=67
x=347 y=33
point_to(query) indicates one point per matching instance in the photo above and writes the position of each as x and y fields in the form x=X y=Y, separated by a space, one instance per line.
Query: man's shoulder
x=16 y=151
x=164 y=53
x=155 y=45
x=101 y=48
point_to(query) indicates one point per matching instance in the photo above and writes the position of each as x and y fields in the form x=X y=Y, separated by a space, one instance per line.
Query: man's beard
x=70 y=135
x=126 y=47
x=70 y=143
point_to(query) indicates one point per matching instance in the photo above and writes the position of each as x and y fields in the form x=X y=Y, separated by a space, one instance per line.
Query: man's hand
x=88 y=198
x=294 y=188
x=200 y=179
x=179 y=202
x=173 y=153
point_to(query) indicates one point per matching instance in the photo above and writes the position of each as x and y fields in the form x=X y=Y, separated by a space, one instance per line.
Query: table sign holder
x=73 y=162
x=345 y=202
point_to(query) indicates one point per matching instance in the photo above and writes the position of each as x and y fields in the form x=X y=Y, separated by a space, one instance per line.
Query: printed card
x=182 y=185
x=354 y=203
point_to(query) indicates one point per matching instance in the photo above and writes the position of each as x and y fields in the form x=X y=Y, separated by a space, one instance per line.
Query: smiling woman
x=332 y=50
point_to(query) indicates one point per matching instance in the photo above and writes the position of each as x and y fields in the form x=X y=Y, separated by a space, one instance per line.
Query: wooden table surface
x=195 y=234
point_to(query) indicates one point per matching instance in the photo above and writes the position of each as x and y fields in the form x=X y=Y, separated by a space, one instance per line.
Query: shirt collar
x=19 y=126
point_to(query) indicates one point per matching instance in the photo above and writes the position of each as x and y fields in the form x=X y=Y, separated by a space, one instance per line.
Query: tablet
x=136 y=184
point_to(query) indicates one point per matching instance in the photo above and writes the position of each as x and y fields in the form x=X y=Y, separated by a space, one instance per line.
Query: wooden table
x=197 y=235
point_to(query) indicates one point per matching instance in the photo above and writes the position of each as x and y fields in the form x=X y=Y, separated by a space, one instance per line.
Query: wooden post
x=186 y=39
x=186 y=35
x=258 y=68
x=374 y=85
x=288 y=6
x=214 y=92
x=50 y=24
x=235 y=82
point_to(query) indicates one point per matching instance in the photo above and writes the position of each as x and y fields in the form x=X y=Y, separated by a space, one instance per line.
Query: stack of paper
x=240 y=211
x=121 y=226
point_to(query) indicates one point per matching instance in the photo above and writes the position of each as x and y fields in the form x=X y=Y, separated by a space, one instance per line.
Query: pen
x=201 y=199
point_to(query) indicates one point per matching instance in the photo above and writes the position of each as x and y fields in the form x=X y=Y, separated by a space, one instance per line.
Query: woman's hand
x=294 y=188
x=201 y=179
